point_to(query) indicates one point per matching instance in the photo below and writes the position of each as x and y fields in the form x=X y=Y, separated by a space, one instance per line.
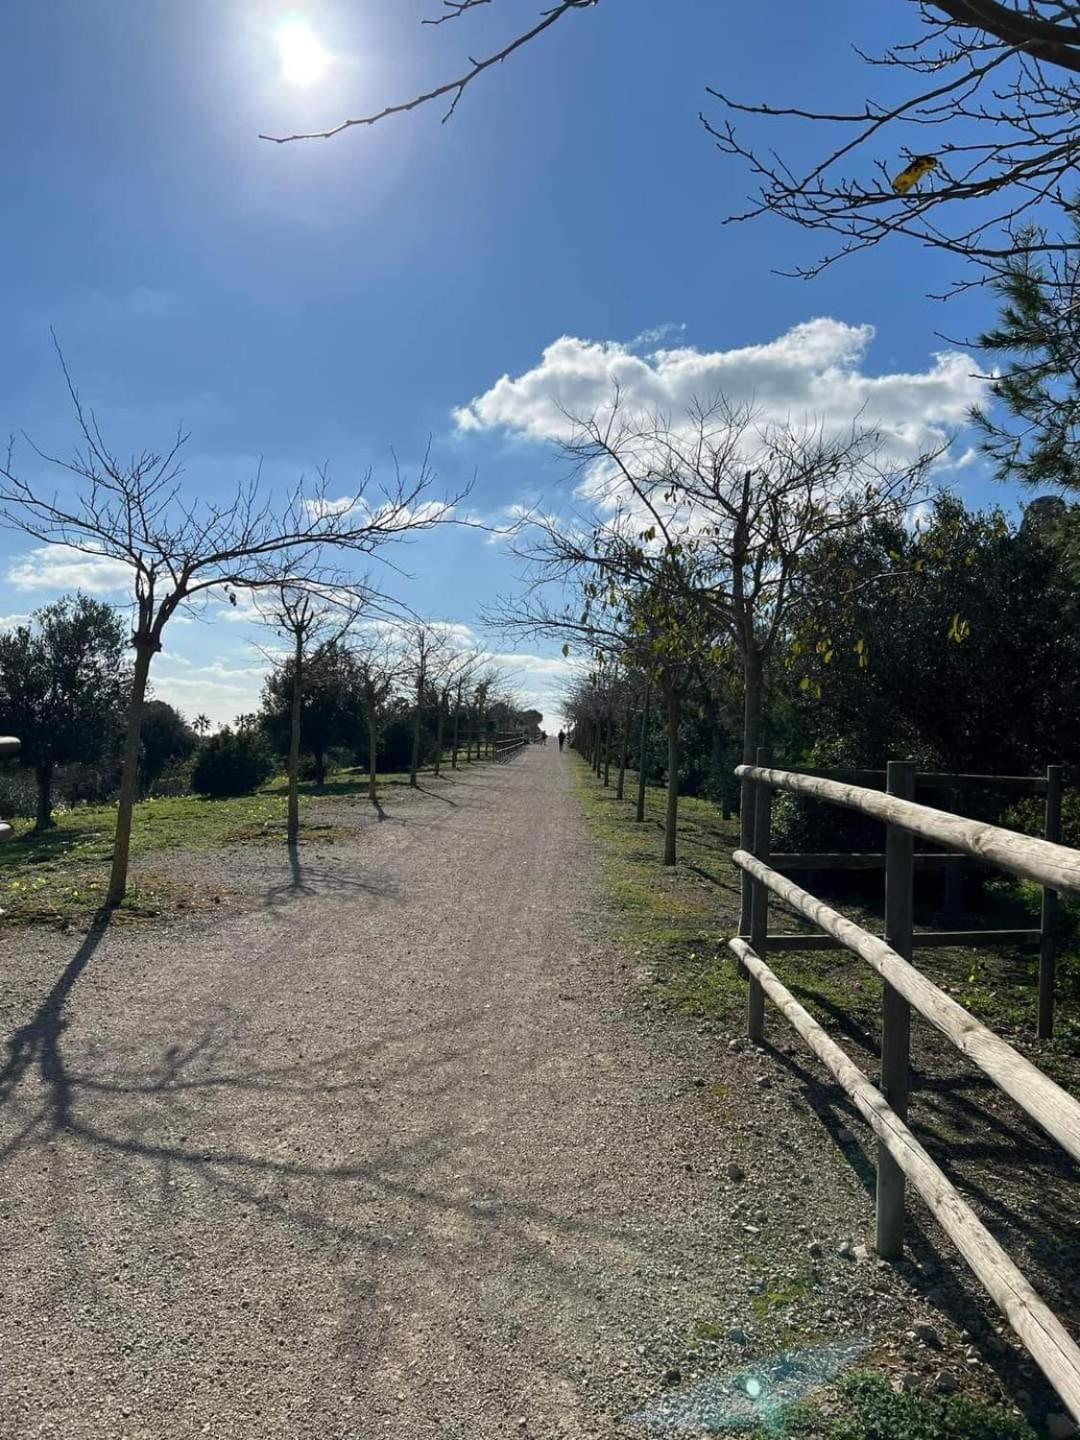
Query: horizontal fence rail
x=934 y=780
x=506 y=745
x=1046 y=1102
x=1040 y=860
x=900 y=1156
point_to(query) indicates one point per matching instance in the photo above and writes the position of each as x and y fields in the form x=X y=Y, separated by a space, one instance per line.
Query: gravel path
x=386 y=1152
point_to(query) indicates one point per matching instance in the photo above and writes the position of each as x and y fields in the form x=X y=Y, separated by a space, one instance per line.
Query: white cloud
x=650 y=338
x=540 y=680
x=12 y=622
x=220 y=689
x=324 y=507
x=813 y=372
x=59 y=567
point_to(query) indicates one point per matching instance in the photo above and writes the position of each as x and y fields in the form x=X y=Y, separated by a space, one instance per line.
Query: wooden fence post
x=759 y=900
x=896 y=1011
x=1048 y=925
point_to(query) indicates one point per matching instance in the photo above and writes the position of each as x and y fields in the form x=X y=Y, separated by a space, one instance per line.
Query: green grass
x=59 y=876
x=871 y=1410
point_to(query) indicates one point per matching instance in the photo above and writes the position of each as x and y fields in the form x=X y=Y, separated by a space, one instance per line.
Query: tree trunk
x=624 y=747
x=292 y=828
x=43 y=774
x=457 y=732
x=373 y=745
x=415 y=762
x=129 y=775
x=438 y=737
x=319 y=759
x=607 y=748
x=753 y=697
x=672 y=817
x=639 y=814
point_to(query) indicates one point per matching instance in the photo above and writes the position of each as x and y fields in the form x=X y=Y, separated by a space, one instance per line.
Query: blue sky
x=334 y=300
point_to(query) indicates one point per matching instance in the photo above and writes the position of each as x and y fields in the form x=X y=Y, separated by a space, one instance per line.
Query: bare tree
x=450 y=92
x=696 y=540
x=178 y=550
x=426 y=646
x=450 y=671
x=722 y=506
x=312 y=620
x=977 y=159
x=460 y=684
x=380 y=666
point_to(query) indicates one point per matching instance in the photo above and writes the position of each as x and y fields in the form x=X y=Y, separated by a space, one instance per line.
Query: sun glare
x=304 y=58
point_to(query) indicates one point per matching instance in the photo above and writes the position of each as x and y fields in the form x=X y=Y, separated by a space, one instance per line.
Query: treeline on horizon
x=953 y=642
x=65 y=681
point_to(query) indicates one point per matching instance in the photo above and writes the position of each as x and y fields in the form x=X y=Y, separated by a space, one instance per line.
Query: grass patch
x=74 y=897
x=59 y=876
x=872 y=1410
x=780 y=1295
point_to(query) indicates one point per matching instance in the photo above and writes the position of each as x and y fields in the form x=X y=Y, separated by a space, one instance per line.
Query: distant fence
x=900 y=1156
x=508 y=743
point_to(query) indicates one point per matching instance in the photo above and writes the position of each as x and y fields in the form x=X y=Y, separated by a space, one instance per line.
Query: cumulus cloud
x=59 y=567
x=816 y=371
x=539 y=680
x=326 y=507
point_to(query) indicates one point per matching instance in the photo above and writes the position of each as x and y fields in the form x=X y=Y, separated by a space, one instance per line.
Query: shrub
x=232 y=762
x=174 y=779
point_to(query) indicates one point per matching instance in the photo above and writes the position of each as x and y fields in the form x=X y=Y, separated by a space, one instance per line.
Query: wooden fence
x=917 y=783
x=508 y=743
x=900 y=1156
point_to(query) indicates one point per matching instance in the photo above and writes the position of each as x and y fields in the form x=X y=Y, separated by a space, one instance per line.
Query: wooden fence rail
x=900 y=1157
x=835 y=786
x=506 y=745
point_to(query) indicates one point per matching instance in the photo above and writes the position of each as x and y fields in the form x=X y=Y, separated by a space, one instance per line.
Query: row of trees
x=964 y=654
x=182 y=550
x=395 y=692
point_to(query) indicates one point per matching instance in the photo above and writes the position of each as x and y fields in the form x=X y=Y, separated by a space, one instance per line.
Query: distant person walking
x=562 y=739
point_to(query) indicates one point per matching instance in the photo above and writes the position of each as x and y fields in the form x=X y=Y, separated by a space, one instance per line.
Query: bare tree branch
x=452 y=89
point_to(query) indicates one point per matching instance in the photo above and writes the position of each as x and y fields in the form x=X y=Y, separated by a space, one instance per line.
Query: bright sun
x=304 y=58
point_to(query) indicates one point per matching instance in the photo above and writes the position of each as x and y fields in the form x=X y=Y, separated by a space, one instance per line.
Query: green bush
x=232 y=762
x=174 y=779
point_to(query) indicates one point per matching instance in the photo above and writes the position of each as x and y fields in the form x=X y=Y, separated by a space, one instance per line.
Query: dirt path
x=380 y=1157
x=391 y=1150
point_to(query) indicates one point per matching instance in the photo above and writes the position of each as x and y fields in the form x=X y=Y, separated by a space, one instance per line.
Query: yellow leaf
x=913 y=172
x=804 y=683
x=860 y=646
